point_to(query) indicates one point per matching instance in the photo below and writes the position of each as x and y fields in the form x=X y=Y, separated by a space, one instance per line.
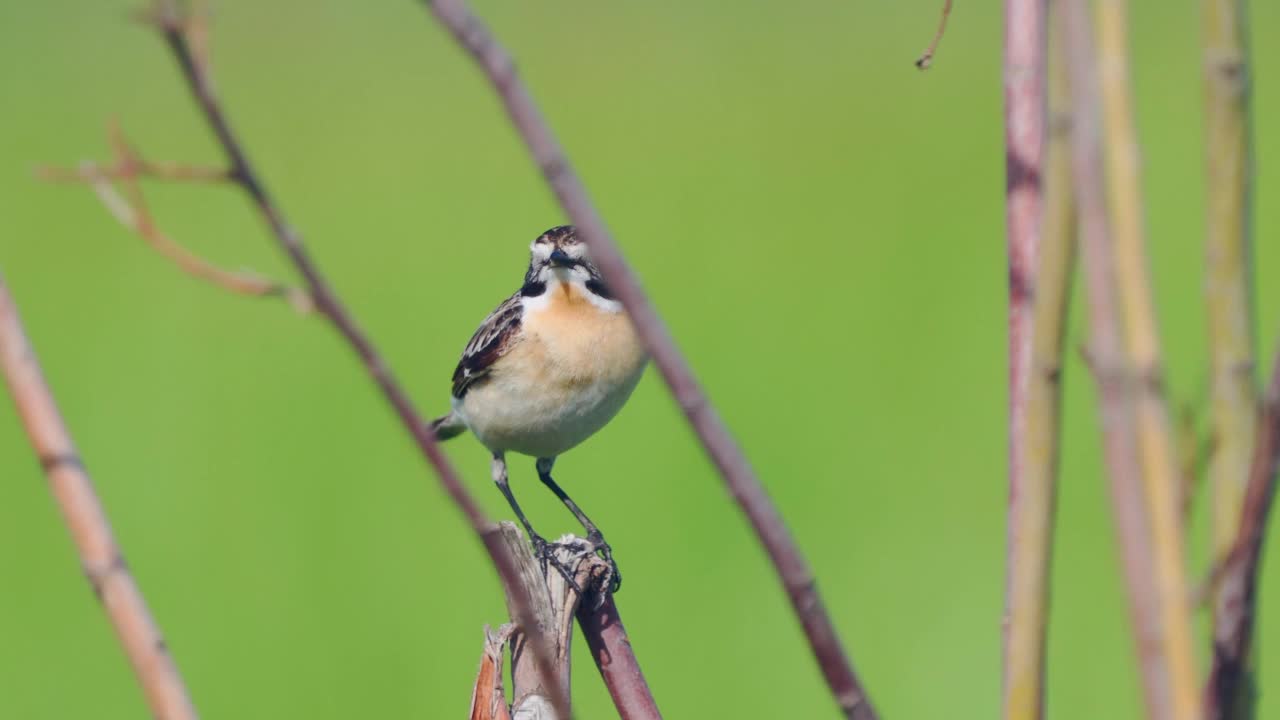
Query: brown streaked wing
x=491 y=341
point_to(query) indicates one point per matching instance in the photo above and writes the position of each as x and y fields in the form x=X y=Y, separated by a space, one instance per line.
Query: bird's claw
x=546 y=554
x=613 y=579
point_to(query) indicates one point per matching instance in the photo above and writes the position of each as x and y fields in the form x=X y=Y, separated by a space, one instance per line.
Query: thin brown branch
x=174 y=26
x=138 y=167
x=1116 y=380
x=925 y=61
x=1231 y=684
x=474 y=37
x=127 y=166
x=135 y=216
x=100 y=556
x=1035 y=389
x=611 y=649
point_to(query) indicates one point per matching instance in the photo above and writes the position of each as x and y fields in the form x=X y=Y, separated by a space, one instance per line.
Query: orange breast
x=580 y=342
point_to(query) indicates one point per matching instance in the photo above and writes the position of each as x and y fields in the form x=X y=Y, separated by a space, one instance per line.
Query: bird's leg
x=543 y=550
x=594 y=536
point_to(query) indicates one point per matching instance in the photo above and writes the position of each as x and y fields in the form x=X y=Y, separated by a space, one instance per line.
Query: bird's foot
x=546 y=554
x=613 y=580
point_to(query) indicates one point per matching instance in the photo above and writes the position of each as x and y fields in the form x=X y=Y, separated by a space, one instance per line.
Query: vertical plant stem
x=1228 y=163
x=1155 y=436
x=100 y=556
x=1031 y=517
x=1024 y=133
x=1116 y=379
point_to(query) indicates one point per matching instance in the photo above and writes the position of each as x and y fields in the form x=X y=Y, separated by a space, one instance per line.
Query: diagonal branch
x=1229 y=691
x=175 y=29
x=135 y=216
x=474 y=37
x=610 y=647
x=100 y=556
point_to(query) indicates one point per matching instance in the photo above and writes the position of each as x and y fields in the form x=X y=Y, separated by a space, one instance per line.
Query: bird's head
x=559 y=256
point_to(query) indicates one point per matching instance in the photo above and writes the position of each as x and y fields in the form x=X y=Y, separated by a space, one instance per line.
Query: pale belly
x=556 y=387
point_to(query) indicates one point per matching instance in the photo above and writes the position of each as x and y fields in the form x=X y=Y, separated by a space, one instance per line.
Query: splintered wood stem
x=488 y=699
x=475 y=39
x=554 y=605
x=100 y=556
x=1114 y=376
x=1031 y=502
x=1161 y=476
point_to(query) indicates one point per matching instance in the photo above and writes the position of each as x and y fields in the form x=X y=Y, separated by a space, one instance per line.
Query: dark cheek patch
x=532 y=288
x=599 y=288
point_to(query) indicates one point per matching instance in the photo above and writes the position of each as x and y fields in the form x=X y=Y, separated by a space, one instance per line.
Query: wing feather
x=495 y=336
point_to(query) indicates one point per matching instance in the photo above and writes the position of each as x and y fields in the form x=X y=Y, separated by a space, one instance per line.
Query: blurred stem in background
x=1027 y=531
x=101 y=558
x=1230 y=692
x=1229 y=305
x=1031 y=510
x=1142 y=345
x=1115 y=376
x=1228 y=291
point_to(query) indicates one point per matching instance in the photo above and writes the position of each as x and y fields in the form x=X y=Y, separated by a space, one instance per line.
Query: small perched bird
x=547 y=369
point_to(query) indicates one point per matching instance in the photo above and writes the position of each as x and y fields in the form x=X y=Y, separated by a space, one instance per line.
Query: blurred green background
x=820 y=224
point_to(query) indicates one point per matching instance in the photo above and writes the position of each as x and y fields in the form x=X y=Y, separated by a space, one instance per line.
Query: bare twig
x=611 y=649
x=1155 y=435
x=174 y=27
x=1034 y=441
x=135 y=216
x=100 y=557
x=925 y=61
x=1116 y=380
x=136 y=167
x=474 y=37
x=1231 y=688
x=1227 y=288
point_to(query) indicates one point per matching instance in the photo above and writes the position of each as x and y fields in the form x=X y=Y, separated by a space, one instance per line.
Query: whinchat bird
x=547 y=369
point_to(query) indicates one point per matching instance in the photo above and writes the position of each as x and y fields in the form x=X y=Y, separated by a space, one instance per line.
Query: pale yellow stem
x=1032 y=531
x=1227 y=291
x=1234 y=409
x=1159 y=467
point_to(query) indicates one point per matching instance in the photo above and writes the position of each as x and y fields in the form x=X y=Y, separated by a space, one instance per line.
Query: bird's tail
x=449 y=426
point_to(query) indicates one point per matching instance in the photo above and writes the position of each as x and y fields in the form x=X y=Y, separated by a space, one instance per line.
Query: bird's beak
x=560 y=258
